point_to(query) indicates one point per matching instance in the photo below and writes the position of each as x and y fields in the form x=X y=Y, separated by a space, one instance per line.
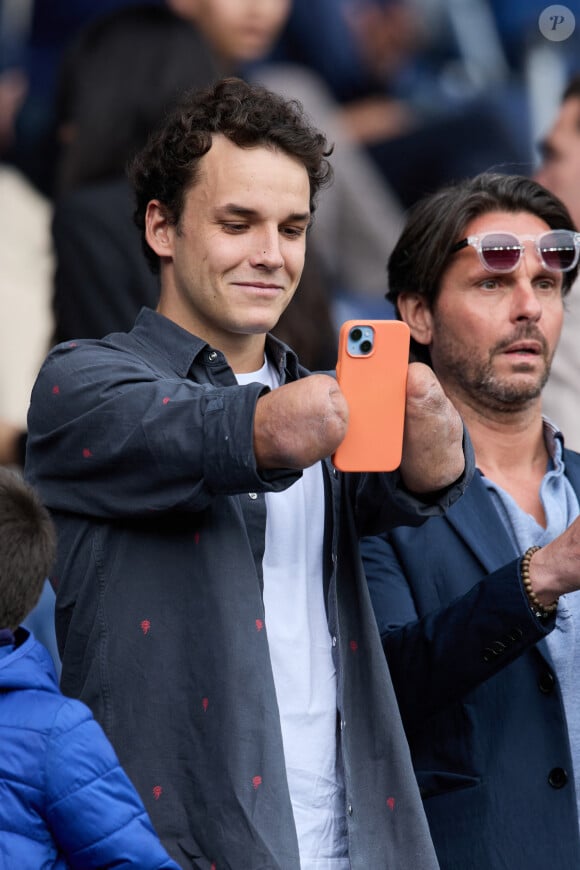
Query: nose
x=268 y=254
x=526 y=304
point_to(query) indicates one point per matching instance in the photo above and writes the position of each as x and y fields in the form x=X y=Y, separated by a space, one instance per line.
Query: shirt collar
x=181 y=347
x=554 y=441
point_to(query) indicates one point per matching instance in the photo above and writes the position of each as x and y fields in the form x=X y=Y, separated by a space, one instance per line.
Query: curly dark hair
x=27 y=548
x=248 y=115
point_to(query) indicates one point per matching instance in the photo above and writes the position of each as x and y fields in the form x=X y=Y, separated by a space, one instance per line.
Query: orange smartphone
x=373 y=358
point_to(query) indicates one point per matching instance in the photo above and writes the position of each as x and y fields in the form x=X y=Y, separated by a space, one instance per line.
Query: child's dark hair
x=27 y=548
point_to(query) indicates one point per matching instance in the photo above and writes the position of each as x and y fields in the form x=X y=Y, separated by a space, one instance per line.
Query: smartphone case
x=374 y=384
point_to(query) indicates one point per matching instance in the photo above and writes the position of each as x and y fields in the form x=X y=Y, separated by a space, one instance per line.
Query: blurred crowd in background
x=414 y=93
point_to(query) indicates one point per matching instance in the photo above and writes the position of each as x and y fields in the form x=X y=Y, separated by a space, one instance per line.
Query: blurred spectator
x=418 y=82
x=33 y=36
x=560 y=173
x=116 y=82
x=239 y=31
x=518 y=27
x=26 y=321
x=25 y=280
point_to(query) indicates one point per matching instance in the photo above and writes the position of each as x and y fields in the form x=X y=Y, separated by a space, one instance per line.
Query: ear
x=158 y=230
x=415 y=312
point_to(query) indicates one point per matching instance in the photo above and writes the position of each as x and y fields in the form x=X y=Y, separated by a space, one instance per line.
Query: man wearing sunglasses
x=559 y=171
x=477 y=609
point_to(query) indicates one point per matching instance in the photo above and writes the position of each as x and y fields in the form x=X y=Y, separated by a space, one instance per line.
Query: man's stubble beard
x=476 y=380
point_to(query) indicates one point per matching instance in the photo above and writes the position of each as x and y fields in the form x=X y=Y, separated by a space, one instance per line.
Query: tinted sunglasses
x=558 y=250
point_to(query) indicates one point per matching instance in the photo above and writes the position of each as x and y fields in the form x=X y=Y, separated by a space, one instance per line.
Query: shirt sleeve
x=382 y=501
x=437 y=658
x=109 y=437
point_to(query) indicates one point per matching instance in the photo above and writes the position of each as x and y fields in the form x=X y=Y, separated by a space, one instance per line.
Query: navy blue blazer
x=480 y=701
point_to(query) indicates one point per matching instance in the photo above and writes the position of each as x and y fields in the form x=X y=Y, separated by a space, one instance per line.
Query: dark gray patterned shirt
x=141 y=445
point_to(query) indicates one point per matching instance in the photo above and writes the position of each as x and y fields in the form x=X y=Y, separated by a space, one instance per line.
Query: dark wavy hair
x=248 y=115
x=27 y=548
x=437 y=221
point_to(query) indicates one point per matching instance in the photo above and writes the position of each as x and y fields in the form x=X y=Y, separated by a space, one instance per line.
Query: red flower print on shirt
x=256 y=782
x=145 y=626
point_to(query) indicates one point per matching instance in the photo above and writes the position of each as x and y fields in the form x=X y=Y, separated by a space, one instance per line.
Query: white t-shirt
x=301 y=655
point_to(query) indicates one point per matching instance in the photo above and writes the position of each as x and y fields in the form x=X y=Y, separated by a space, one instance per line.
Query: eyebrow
x=231 y=208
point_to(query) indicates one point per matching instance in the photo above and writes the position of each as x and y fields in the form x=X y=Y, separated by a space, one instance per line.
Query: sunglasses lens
x=558 y=250
x=500 y=251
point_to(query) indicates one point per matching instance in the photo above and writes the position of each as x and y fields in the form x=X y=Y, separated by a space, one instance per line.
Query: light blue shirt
x=561 y=509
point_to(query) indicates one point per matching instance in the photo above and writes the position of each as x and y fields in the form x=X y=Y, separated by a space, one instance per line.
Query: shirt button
x=342 y=724
x=349 y=809
x=212 y=355
x=558 y=777
x=334 y=640
x=253 y=495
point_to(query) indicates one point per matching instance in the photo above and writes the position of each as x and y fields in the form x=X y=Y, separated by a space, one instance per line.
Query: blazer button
x=546 y=682
x=558 y=777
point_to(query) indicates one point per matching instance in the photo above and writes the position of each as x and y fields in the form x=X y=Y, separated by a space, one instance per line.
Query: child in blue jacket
x=64 y=799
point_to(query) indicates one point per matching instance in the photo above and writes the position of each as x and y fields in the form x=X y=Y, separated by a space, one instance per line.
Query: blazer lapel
x=475 y=519
x=572 y=466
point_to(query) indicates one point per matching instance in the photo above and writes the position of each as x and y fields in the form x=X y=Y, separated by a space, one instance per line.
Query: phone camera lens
x=356 y=333
x=366 y=346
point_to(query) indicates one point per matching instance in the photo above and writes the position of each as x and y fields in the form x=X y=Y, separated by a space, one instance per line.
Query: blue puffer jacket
x=64 y=799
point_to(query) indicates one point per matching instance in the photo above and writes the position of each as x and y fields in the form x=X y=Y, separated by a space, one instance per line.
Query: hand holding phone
x=373 y=358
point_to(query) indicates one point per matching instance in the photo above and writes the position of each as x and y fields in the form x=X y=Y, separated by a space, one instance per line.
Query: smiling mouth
x=257 y=285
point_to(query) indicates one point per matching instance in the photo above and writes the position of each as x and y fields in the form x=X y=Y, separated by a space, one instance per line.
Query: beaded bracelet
x=541 y=611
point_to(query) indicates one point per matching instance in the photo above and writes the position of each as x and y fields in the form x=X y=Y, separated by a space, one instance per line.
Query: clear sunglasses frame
x=555 y=242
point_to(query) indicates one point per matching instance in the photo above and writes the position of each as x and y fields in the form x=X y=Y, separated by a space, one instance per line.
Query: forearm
x=440 y=658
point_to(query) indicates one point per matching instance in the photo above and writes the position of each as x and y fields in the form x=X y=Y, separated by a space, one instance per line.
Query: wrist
x=539 y=608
